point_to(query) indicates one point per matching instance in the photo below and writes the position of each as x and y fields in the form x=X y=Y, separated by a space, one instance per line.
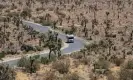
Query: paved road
x=77 y=45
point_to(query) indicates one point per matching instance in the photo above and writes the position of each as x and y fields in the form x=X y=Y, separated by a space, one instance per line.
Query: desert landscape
x=105 y=25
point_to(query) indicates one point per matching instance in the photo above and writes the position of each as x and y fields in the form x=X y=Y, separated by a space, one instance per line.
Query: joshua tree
x=59 y=45
x=54 y=43
x=85 y=32
x=131 y=36
x=41 y=39
x=60 y=21
x=83 y=51
x=94 y=9
x=42 y=3
x=107 y=14
x=51 y=46
x=30 y=64
x=92 y=47
x=94 y=23
x=107 y=43
x=26 y=13
x=47 y=17
x=54 y=24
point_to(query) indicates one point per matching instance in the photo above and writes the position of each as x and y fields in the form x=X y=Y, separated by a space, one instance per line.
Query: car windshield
x=70 y=37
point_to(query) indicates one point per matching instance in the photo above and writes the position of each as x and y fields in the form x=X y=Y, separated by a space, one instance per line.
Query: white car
x=70 y=38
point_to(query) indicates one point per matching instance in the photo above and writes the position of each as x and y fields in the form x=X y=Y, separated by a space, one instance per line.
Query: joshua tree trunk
x=50 y=54
x=109 y=50
x=94 y=14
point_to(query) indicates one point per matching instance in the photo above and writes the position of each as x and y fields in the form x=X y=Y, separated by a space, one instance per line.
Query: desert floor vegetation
x=106 y=22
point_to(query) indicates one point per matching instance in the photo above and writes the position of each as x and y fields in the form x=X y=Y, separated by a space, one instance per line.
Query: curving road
x=76 y=46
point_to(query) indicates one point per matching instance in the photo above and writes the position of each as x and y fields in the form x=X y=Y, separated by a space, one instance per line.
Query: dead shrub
x=85 y=61
x=50 y=76
x=128 y=65
x=73 y=76
x=61 y=66
x=126 y=74
x=77 y=55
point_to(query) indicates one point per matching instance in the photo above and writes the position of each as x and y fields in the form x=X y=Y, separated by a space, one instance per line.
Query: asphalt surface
x=76 y=46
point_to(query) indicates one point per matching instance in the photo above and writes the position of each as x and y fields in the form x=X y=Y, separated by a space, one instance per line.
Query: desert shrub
x=101 y=66
x=63 y=57
x=31 y=64
x=61 y=66
x=50 y=76
x=11 y=52
x=44 y=60
x=46 y=23
x=27 y=48
x=2 y=19
x=26 y=13
x=38 y=9
x=38 y=48
x=126 y=74
x=2 y=6
x=13 y=6
x=61 y=14
x=12 y=14
x=85 y=61
x=2 y=54
x=36 y=57
x=110 y=76
x=72 y=76
x=53 y=58
x=66 y=31
x=6 y=73
x=77 y=55
x=118 y=61
x=128 y=65
x=92 y=76
x=76 y=63
x=96 y=32
x=22 y=62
